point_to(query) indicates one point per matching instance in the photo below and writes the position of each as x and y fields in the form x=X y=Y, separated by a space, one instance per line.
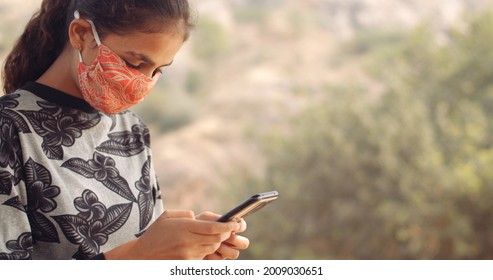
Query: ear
x=80 y=35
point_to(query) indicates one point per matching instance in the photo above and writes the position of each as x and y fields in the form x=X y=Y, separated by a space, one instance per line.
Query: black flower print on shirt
x=9 y=145
x=127 y=143
x=21 y=249
x=16 y=203
x=5 y=182
x=11 y=123
x=59 y=126
x=146 y=195
x=89 y=206
x=7 y=103
x=41 y=199
x=92 y=226
x=10 y=151
x=102 y=169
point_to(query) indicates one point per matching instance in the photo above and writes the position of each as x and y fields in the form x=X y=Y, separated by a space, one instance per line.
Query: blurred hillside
x=251 y=65
x=301 y=96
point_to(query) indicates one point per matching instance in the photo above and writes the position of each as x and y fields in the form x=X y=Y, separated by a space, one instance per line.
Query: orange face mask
x=108 y=84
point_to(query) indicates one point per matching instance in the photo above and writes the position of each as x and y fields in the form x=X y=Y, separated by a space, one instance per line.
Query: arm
x=15 y=230
x=15 y=233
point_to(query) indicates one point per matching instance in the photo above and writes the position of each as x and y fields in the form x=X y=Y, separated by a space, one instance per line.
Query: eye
x=137 y=67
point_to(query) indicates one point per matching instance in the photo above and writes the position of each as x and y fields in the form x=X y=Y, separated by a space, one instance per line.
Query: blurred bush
x=406 y=175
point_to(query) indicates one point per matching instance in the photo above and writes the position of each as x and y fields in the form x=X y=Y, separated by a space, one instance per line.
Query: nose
x=148 y=72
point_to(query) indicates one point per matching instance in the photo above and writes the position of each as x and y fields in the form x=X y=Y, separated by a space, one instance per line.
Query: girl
x=76 y=173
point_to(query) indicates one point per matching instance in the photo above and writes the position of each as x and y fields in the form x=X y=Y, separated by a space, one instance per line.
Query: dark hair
x=46 y=34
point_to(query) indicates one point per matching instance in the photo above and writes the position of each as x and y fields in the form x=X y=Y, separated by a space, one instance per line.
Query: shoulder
x=132 y=117
x=18 y=100
x=129 y=119
x=130 y=122
x=11 y=106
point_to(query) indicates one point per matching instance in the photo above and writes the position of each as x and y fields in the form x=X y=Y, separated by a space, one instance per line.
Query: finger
x=207 y=216
x=238 y=242
x=243 y=226
x=206 y=239
x=178 y=214
x=211 y=228
x=210 y=249
x=228 y=252
x=214 y=257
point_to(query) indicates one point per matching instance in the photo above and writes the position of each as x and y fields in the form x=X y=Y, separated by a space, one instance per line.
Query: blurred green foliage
x=366 y=40
x=405 y=175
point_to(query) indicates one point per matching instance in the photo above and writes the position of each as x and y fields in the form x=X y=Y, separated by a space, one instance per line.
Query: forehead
x=160 y=47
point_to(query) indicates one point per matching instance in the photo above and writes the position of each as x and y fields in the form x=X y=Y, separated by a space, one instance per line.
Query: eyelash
x=132 y=66
x=159 y=70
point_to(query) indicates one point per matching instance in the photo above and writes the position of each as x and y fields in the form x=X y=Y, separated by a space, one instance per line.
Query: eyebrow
x=145 y=58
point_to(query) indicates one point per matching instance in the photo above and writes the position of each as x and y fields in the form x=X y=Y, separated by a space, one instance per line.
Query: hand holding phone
x=249 y=206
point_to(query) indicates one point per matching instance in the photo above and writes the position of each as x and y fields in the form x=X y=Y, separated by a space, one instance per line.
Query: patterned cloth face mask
x=109 y=85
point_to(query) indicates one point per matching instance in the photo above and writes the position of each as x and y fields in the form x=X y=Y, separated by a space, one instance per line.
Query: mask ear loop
x=94 y=32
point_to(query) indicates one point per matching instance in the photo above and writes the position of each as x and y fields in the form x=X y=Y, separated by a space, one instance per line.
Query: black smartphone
x=249 y=206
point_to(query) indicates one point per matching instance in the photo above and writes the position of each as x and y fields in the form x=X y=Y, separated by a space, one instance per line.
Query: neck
x=62 y=74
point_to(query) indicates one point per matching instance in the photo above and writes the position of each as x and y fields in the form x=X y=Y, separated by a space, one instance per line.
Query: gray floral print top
x=74 y=182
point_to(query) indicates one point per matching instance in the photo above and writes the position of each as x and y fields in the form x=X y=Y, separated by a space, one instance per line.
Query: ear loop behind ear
x=94 y=32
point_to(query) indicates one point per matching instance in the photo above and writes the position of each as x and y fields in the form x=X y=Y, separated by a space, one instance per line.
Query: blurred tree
x=455 y=84
x=406 y=176
x=357 y=180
